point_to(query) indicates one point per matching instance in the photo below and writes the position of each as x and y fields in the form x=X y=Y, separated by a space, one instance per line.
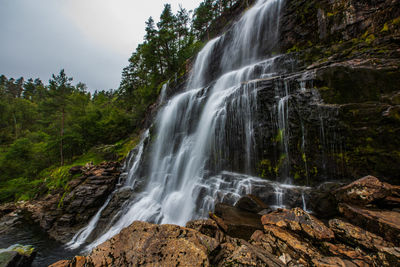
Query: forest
x=47 y=128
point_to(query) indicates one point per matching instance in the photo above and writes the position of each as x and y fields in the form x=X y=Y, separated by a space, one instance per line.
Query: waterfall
x=163 y=93
x=204 y=135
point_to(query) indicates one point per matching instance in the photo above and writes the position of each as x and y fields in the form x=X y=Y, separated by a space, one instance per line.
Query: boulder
x=235 y=222
x=148 y=244
x=17 y=256
x=298 y=221
x=381 y=222
x=363 y=191
x=251 y=203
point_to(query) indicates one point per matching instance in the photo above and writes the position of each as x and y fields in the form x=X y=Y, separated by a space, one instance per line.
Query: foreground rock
x=148 y=244
x=62 y=214
x=285 y=237
x=387 y=253
x=383 y=222
x=17 y=256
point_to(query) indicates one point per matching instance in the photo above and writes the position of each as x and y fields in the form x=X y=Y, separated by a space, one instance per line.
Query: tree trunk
x=15 y=126
x=62 y=136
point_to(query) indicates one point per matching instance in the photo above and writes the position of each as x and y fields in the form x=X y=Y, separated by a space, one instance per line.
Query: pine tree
x=59 y=89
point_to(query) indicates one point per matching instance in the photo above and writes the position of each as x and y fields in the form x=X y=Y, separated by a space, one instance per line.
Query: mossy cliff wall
x=346 y=123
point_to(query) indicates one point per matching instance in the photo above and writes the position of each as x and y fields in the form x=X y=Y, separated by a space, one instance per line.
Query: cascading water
x=205 y=131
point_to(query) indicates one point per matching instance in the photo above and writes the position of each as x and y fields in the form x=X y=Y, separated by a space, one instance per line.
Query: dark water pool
x=48 y=250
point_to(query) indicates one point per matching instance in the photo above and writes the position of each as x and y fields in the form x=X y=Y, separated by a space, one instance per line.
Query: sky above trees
x=92 y=39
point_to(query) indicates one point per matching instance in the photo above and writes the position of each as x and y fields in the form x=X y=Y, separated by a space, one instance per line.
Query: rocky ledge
x=62 y=213
x=365 y=232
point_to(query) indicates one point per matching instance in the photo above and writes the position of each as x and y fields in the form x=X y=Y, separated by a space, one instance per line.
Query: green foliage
x=45 y=125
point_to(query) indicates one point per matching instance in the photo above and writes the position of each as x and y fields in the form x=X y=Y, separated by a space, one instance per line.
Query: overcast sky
x=91 y=39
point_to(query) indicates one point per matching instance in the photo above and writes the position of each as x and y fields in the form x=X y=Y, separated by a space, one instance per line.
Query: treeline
x=42 y=125
x=167 y=46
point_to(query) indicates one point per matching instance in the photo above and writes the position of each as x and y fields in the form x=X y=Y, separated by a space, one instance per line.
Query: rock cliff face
x=346 y=54
x=63 y=213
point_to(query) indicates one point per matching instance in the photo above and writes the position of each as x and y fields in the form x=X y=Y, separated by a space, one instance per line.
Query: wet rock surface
x=236 y=222
x=251 y=203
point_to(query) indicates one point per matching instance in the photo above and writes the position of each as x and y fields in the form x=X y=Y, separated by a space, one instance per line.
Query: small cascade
x=80 y=237
x=131 y=165
x=282 y=113
x=279 y=197
x=303 y=151
x=163 y=93
x=304 y=203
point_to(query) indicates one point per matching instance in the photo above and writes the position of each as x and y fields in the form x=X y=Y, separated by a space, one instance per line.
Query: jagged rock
x=237 y=252
x=298 y=221
x=65 y=212
x=148 y=244
x=357 y=236
x=235 y=222
x=251 y=203
x=355 y=254
x=363 y=191
x=280 y=241
x=384 y=223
